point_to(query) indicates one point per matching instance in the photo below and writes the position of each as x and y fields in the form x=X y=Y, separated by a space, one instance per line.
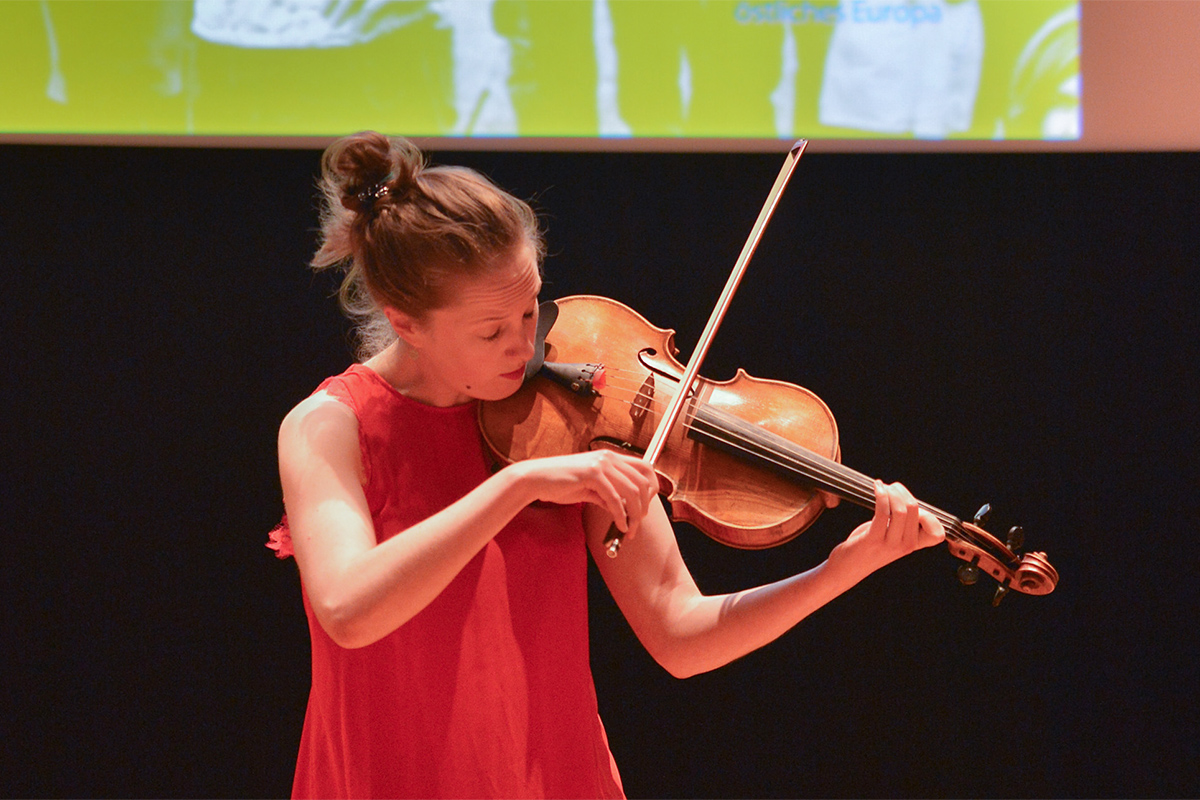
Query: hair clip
x=367 y=197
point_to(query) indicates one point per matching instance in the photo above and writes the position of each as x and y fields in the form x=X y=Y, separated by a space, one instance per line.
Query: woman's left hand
x=898 y=527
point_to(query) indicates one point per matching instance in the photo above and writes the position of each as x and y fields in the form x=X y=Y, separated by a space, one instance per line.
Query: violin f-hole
x=611 y=443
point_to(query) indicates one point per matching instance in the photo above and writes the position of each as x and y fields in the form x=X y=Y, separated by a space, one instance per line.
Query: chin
x=494 y=392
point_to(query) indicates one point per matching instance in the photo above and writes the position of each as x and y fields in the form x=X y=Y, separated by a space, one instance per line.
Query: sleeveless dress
x=487 y=692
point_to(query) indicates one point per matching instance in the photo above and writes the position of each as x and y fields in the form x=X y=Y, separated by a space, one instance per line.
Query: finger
x=935 y=532
x=905 y=522
x=608 y=482
x=638 y=484
x=611 y=500
x=619 y=516
x=631 y=531
x=648 y=487
x=641 y=473
x=635 y=501
x=651 y=486
x=883 y=510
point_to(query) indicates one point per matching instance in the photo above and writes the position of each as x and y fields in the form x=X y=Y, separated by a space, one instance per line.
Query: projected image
x=932 y=69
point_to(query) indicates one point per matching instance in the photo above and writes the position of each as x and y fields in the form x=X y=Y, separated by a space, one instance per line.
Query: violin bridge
x=641 y=404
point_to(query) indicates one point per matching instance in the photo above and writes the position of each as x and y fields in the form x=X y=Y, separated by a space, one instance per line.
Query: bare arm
x=688 y=632
x=361 y=589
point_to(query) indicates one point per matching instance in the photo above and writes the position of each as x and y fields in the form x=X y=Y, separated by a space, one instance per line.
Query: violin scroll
x=1035 y=575
x=1028 y=573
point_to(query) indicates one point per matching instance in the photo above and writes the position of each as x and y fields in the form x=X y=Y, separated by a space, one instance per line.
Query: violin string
x=735 y=433
x=806 y=462
x=852 y=487
x=786 y=455
x=844 y=480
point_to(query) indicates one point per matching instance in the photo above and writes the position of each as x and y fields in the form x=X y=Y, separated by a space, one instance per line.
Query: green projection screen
x=540 y=69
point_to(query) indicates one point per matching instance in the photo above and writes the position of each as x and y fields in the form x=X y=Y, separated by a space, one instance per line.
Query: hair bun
x=367 y=167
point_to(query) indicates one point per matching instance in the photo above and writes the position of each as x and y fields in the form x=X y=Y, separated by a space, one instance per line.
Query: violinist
x=447 y=601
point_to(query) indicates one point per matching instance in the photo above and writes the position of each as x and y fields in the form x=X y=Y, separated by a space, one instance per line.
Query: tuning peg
x=968 y=574
x=981 y=516
x=1016 y=538
x=1001 y=590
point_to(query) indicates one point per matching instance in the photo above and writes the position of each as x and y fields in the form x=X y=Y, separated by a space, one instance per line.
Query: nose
x=523 y=343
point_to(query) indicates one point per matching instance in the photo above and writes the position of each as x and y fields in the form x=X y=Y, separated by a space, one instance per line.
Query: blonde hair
x=402 y=230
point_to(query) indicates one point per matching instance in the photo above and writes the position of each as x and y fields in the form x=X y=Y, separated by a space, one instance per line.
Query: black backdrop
x=1016 y=329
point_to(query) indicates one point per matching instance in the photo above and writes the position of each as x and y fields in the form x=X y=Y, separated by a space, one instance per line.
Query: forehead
x=509 y=285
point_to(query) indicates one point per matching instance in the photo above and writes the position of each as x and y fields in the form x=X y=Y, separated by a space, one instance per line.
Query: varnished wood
x=750 y=464
x=737 y=504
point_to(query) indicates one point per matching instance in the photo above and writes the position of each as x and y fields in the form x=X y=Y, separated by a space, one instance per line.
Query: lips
x=516 y=374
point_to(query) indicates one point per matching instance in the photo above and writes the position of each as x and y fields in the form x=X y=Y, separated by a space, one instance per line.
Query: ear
x=407 y=327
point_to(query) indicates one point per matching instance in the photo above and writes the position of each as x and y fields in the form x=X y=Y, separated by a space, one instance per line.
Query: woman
x=447 y=601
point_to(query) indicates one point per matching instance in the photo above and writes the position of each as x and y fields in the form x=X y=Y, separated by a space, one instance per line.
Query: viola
x=751 y=461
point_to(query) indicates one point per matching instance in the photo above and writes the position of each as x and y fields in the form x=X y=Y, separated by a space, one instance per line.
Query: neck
x=397 y=364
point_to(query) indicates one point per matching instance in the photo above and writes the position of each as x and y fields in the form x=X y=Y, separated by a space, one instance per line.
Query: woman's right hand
x=623 y=485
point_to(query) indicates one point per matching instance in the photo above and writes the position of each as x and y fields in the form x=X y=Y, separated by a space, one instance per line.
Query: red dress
x=487 y=692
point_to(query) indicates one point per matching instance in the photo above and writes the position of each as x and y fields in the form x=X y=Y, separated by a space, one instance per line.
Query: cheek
x=476 y=361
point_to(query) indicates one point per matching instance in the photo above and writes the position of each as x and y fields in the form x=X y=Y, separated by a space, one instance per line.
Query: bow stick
x=612 y=542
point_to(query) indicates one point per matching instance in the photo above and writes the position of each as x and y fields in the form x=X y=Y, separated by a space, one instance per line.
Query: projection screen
x=578 y=74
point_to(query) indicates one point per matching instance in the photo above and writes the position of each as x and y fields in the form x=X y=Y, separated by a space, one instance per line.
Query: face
x=476 y=347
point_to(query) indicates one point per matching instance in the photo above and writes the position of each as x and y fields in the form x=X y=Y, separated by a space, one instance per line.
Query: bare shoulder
x=319 y=426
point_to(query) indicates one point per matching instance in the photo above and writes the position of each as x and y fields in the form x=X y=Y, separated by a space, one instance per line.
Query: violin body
x=750 y=462
x=739 y=504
